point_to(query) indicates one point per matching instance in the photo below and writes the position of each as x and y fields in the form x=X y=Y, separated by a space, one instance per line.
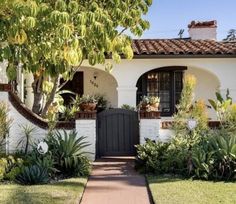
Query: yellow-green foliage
x=9 y=167
x=187 y=95
x=3 y=164
x=199 y=112
x=5 y=123
x=187 y=109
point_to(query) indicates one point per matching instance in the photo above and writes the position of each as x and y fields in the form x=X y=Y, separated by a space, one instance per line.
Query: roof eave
x=147 y=56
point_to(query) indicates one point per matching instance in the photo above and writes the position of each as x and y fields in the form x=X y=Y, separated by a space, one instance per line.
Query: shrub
x=68 y=153
x=225 y=110
x=150 y=156
x=11 y=176
x=211 y=158
x=45 y=161
x=32 y=175
x=127 y=107
x=26 y=141
x=9 y=167
x=3 y=164
x=224 y=148
x=187 y=109
x=102 y=102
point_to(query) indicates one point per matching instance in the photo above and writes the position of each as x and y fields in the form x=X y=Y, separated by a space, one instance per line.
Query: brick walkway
x=114 y=181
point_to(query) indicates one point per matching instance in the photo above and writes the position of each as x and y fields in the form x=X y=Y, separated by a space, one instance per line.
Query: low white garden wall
x=151 y=129
x=16 y=127
x=87 y=128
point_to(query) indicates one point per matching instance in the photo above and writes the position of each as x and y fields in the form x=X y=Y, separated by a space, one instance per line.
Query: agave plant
x=67 y=150
x=32 y=175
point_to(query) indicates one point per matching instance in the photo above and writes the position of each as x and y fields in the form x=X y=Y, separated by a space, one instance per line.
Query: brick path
x=114 y=181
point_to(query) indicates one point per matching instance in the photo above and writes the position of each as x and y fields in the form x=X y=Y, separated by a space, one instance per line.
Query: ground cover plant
x=64 y=157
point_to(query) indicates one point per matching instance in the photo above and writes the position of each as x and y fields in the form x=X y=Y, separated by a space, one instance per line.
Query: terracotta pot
x=144 y=107
x=87 y=106
x=155 y=107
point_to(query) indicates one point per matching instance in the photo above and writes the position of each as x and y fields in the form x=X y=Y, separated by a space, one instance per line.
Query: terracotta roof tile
x=183 y=47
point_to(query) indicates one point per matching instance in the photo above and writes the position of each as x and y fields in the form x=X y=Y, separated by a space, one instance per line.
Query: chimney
x=204 y=30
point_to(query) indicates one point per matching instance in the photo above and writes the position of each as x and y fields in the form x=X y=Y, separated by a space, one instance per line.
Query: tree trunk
x=38 y=95
x=51 y=96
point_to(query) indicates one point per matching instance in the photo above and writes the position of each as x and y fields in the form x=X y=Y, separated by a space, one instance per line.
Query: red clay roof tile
x=182 y=47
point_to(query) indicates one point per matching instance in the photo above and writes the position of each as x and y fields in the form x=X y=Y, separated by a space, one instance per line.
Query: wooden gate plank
x=118 y=132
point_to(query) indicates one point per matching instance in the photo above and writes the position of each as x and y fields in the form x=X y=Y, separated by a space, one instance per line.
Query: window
x=166 y=83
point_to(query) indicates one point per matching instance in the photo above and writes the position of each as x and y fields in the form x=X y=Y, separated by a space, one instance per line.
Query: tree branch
x=74 y=71
x=51 y=96
x=122 y=31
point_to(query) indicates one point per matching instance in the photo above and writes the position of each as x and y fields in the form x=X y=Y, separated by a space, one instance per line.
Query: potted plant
x=87 y=103
x=102 y=102
x=149 y=103
x=154 y=102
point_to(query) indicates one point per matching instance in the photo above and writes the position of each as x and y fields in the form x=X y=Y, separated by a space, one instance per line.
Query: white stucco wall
x=212 y=75
x=106 y=84
x=207 y=85
x=151 y=129
x=83 y=127
x=87 y=128
x=16 y=131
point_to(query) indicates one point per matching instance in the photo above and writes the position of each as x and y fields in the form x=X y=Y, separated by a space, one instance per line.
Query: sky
x=167 y=17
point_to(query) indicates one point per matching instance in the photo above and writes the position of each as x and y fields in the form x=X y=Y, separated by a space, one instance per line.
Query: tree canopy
x=52 y=37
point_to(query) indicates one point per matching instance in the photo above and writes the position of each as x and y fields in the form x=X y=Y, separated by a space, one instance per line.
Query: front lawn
x=66 y=191
x=173 y=190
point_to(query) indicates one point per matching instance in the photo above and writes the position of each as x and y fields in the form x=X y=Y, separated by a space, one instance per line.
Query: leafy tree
x=51 y=38
x=231 y=35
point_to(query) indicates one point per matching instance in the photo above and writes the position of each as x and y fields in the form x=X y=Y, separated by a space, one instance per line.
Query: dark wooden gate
x=117 y=132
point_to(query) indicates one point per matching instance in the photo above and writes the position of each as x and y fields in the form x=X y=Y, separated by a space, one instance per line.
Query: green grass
x=67 y=191
x=172 y=190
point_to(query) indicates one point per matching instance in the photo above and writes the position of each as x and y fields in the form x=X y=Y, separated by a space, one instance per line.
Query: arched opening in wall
x=207 y=85
x=92 y=81
x=166 y=83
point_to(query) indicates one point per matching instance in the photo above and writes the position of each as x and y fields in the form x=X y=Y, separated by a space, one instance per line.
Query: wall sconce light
x=95 y=75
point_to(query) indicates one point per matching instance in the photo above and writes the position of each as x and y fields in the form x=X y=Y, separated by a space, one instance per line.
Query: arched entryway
x=167 y=83
x=92 y=81
x=164 y=82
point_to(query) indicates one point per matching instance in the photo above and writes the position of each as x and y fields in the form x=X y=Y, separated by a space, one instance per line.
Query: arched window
x=167 y=83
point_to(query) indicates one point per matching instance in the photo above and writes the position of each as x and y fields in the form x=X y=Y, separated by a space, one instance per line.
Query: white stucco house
x=157 y=69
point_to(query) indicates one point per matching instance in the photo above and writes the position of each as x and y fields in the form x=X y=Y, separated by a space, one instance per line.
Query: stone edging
x=151 y=199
